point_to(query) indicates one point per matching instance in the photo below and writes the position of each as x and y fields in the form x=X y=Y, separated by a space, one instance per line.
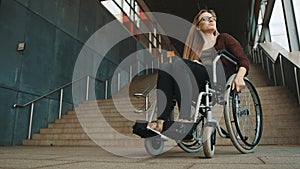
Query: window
x=126 y=8
x=130 y=14
x=113 y=8
x=296 y=4
x=277 y=26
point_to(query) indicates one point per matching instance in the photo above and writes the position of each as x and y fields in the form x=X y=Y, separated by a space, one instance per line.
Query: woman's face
x=207 y=22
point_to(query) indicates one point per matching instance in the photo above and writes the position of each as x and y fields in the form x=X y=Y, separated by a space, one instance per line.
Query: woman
x=202 y=44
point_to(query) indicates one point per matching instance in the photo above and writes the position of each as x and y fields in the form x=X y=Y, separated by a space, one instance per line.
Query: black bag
x=172 y=129
x=140 y=129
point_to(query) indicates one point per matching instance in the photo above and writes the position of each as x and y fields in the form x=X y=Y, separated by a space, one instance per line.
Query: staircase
x=86 y=126
x=280 y=109
x=281 y=112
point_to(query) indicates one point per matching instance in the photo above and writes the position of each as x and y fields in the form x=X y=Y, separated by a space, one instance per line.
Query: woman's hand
x=239 y=83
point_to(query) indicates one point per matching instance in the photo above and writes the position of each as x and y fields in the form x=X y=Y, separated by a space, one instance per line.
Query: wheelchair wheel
x=154 y=146
x=194 y=145
x=208 y=141
x=243 y=116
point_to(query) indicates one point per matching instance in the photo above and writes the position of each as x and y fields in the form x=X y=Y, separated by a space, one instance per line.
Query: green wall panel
x=62 y=13
x=54 y=33
x=24 y=2
x=66 y=51
x=103 y=16
x=37 y=66
x=67 y=16
x=87 y=19
x=7 y=113
x=44 y=8
x=12 y=25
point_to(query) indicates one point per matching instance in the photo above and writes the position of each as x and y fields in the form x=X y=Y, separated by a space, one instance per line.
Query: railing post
x=130 y=72
x=147 y=67
x=274 y=74
x=138 y=66
x=146 y=103
x=60 y=103
x=87 y=88
x=254 y=53
x=260 y=56
x=262 y=61
x=257 y=55
x=119 y=81
x=281 y=70
x=268 y=68
x=146 y=107
x=106 y=89
x=152 y=67
x=30 y=121
x=297 y=84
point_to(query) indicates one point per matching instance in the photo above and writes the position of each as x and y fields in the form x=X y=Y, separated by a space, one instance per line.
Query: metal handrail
x=47 y=94
x=145 y=94
x=55 y=90
x=61 y=88
x=275 y=73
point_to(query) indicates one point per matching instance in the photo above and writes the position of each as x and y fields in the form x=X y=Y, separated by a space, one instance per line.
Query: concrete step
x=258 y=76
x=83 y=142
x=111 y=114
x=79 y=130
x=128 y=99
x=265 y=141
x=86 y=142
x=280 y=140
x=281 y=116
x=92 y=120
x=280 y=131
x=80 y=136
x=90 y=124
x=107 y=109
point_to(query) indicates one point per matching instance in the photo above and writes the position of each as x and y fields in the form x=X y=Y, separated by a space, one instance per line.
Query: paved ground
x=93 y=157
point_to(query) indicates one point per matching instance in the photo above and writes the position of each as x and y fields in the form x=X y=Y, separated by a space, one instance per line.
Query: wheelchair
x=242 y=113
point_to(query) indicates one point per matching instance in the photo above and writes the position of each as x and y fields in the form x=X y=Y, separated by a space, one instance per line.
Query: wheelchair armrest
x=230 y=56
x=227 y=55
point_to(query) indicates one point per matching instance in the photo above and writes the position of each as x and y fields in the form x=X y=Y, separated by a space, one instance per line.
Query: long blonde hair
x=194 y=41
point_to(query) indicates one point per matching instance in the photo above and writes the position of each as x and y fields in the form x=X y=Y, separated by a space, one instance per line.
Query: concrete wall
x=54 y=32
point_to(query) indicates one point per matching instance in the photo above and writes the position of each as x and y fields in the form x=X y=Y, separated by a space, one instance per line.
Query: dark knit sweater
x=229 y=43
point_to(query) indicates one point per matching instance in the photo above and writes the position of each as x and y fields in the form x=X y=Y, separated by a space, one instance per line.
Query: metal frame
x=61 y=91
x=291 y=26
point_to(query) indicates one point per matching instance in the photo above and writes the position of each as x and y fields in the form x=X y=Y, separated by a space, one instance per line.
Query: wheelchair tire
x=154 y=146
x=243 y=116
x=192 y=146
x=208 y=141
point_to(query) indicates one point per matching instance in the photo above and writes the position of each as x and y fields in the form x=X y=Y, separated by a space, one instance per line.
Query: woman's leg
x=191 y=78
x=165 y=91
x=182 y=80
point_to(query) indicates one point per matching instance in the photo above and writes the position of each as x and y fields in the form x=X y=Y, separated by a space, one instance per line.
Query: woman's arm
x=244 y=65
x=238 y=82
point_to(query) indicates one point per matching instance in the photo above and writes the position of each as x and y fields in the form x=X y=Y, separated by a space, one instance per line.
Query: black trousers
x=182 y=80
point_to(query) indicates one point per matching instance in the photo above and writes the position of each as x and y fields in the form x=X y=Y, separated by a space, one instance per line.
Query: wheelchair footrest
x=172 y=129
x=179 y=130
